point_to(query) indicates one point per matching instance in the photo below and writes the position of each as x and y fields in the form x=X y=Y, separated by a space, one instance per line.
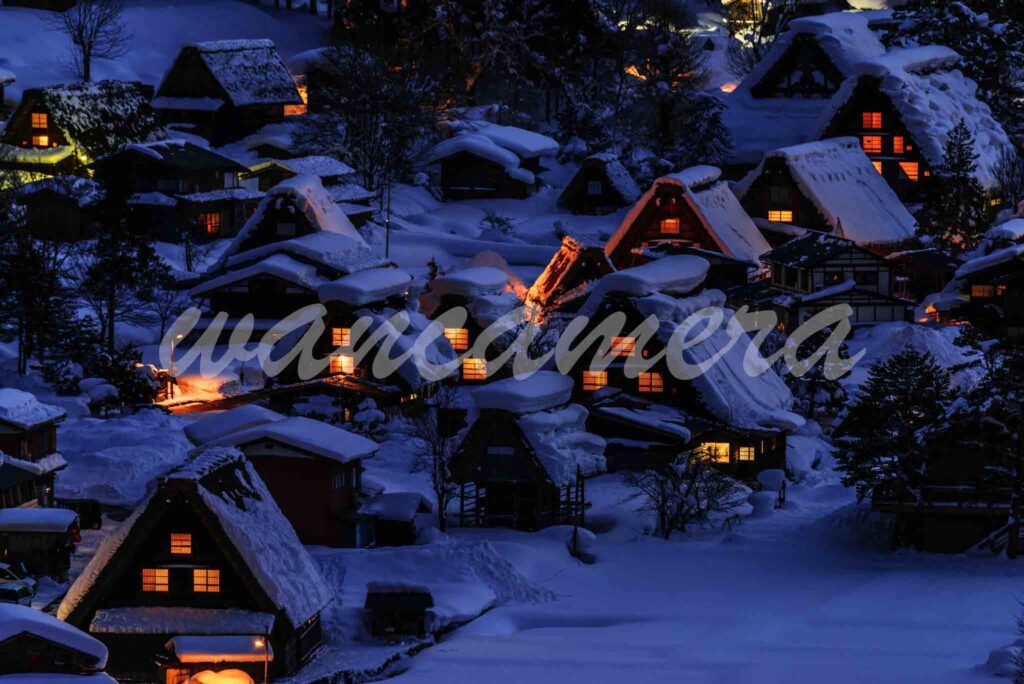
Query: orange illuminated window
x=210 y=222
x=871 y=143
x=898 y=145
x=877 y=165
x=206 y=580
x=343 y=363
x=717 y=451
x=299 y=109
x=594 y=380
x=911 y=169
x=178 y=675
x=670 y=226
x=745 y=453
x=871 y=120
x=154 y=579
x=459 y=338
x=623 y=346
x=983 y=291
x=41 y=140
x=474 y=369
x=651 y=382
x=341 y=337
x=181 y=543
x=780 y=216
x=40 y=120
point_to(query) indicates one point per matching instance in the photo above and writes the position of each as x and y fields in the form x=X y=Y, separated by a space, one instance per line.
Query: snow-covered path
x=800 y=596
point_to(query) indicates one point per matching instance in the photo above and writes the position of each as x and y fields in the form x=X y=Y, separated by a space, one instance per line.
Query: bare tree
x=166 y=303
x=1009 y=172
x=755 y=24
x=97 y=31
x=435 y=448
x=685 y=492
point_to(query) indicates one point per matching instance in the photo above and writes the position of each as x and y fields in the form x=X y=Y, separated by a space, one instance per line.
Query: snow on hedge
x=538 y=392
x=22 y=409
x=219 y=425
x=306 y=434
x=366 y=287
x=931 y=97
x=52 y=520
x=15 y=620
x=839 y=179
x=250 y=72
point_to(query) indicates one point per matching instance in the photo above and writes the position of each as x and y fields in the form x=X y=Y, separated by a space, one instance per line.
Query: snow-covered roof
x=758 y=125
x=188 y=104
x=24 y=411
x=321 y=166
x=366 y=287
x=931 y=97
x=679 y=274
x=251 y=72
x=6 y=76
x=396 y=506
x=618 y=176
x=185 y=156
x=209 y=648
x=996 y=258
x=540 y=391
x=477 y=281
x=521 y=142
x=53 y=520
x=562 y=444
x=715 y=205
x=15 y=619
x=42 y=466
x=1012 y=230
x=254 y=526
x=333 y=251
x=180 y=620
x=844 y=36
x=668 y=420
x=839 y=179
x=218 y=425
x=485 y=148
x=278 y=265
x=314 y=436
x=303 y=61
x=405 y=335
x=82 y=191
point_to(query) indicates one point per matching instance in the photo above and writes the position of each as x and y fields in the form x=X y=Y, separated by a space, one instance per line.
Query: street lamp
x=264 y=643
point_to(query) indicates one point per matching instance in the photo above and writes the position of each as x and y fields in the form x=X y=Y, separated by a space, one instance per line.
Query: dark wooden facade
x=18 y=486
x=36 y=651
x=803 y=71
x=42 y=549
x=918 y=273
x=592 y=189
x=397 y=613
x=502 y=482
x=775 y=196
x=870 y=116
x=55 y=211
x=996 y=299
x=467 y=176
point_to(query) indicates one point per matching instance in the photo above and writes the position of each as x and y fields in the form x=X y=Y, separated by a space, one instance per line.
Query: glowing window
x=911 y=169
x=745 y=453
x=670 y=226
x=983 y=291
x=995 y=201
x=206 y=580
x=716 y=451
x=871 y=120
x=623 y=346
x=299 y=109
x=181 y=543
x=877 y=165
x=178 y=675
x=210 y=222
x=343 y=363
x=650 y=382
x=459 y=338
x=780 y=216
x=474 y=369
x=594 y=380
x=871 y=143
x=40 y=120
x=154 y=579
x=898 y=144
x=341 y=337
x=41 y=140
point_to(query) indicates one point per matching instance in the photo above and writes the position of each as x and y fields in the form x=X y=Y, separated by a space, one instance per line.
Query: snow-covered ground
x=37 y=55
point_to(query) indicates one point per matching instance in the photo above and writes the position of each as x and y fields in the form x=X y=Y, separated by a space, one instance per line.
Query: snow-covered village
x=513 y=341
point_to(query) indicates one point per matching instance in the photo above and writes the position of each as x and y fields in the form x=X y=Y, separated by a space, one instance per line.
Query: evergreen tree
x=817 y=397
x=955 y=213
x=879 y=440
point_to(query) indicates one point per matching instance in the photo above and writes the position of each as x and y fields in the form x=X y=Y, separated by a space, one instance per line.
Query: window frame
x=650 y=382
x=871 y=121
x=594 y=380
x=670 y=226
x=780 y=215
x=156 y=580
x=206 y=580
x=180 y=543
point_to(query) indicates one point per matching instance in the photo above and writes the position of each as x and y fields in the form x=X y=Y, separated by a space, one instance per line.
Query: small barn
x=176 y=187
x=42 y=539
x=602 y=185
x=394 y=517
x=567 y=278
x=690 y=209
x=488 y=161
x=29 y=459
x=829 y=186
x=226 y=89
x=994 y=288
x=398 y=611
x=61 y=129
x=314 y=472
x=525 y=456
x=62 y=208
x=209 y=555
x=917 y=273
x=42 y=648
x=901 y=106
x=780 y=102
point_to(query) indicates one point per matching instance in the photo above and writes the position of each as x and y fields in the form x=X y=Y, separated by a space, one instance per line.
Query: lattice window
x=780 y=216
x=871 y=120
x=155 y=579
x=650 y=382
x=181 y=543
x=594 y=380
x=459 y=338
x=474 y=369
x=206 y=580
